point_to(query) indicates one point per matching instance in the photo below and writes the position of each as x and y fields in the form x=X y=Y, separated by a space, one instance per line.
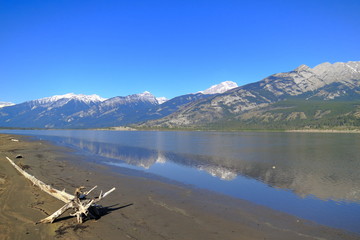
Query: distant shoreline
x=245 y=130
x=123 y=128
x=324 y=131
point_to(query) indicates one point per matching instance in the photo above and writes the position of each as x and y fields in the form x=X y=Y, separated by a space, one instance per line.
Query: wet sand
x=140 y=208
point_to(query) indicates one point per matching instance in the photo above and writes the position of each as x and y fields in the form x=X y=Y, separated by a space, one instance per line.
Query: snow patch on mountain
x=140 y=97
x=220 y=88
x=145 y=97
x=71 y=96
x=161 y=100
x=6 y=104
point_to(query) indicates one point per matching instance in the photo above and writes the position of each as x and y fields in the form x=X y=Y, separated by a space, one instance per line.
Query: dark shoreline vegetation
x=291 y=114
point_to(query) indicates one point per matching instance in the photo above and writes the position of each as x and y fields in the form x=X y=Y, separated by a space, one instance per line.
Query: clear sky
x=170 y=48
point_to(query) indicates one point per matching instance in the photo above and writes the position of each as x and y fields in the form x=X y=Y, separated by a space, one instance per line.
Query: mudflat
x=140 y=208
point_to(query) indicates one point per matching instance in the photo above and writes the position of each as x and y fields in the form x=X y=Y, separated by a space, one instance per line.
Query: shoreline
x=140 y=208
x=208 y=130
x=217 y=130
x=324 y=131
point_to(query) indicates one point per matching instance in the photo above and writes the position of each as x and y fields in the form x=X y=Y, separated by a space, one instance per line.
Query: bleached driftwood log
x=61 y=195
x=83 y=207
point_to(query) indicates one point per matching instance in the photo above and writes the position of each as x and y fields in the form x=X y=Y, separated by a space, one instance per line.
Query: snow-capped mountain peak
x=161 y=100
x=145 y=94
x=145 y=97
x=71 y=96
x=220 y=88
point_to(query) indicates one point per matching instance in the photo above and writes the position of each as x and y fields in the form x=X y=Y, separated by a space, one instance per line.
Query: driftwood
x=83 y=208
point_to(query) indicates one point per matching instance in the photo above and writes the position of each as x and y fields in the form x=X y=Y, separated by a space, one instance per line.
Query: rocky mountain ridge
x=338 y=81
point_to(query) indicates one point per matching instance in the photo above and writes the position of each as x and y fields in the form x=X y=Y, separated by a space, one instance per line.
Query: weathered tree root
x=83 y=208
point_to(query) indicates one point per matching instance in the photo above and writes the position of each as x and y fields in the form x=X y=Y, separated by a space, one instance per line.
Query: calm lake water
x=315 y=176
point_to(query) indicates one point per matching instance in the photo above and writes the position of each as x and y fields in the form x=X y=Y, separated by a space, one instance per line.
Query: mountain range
x=92 y=111
x=327 y=95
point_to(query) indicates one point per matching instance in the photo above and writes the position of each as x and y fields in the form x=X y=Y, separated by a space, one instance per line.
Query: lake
x=310 y=175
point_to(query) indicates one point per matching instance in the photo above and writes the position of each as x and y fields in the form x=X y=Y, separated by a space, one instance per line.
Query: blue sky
x=170 y=48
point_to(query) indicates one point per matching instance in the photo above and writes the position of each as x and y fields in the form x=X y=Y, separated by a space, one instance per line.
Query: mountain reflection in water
x=146 y=158
x=322 y=171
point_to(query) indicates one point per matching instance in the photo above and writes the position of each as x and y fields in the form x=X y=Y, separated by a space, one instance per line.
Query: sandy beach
x=140 y=208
